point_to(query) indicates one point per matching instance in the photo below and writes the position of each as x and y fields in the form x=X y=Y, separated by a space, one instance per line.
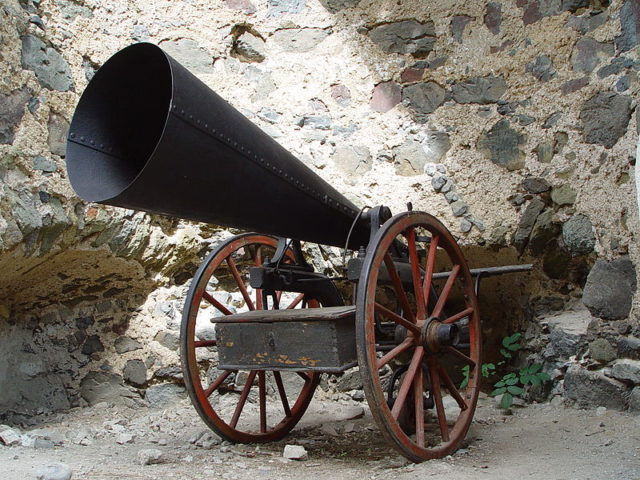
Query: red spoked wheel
x=417 y=331
x=241 y=406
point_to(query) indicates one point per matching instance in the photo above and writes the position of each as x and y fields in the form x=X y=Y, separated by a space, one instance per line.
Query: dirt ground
x=536 y=442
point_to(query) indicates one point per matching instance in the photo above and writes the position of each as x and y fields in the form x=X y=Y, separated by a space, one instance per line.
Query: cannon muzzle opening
x=148 y=135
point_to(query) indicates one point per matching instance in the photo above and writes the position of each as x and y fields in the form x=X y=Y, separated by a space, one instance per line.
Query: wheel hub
x=436 y=335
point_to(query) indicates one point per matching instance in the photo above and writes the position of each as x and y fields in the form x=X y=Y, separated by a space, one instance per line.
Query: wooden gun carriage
x=148 y=135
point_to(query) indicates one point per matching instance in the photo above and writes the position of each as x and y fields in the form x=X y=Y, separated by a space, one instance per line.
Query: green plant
x=511 y=384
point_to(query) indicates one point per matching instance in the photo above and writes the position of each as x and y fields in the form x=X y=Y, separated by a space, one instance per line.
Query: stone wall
x=513 y=122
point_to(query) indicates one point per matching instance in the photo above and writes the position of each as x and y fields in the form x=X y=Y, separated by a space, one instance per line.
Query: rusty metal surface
x=148 y=135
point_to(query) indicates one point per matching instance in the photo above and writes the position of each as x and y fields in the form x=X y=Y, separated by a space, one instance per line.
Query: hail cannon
x=149 y=135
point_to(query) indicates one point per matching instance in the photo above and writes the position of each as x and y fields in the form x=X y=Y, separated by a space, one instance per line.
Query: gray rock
x=605 y=117
x=458 y=25
x=164 y=394
x=92 y=344
x=574 y=85
x=587 y=23
x=465 y=225
x=501 y=144
x=423 y=97
x=150 y=456
x=126 y=344
x=44 y=165
x=552 y=120
x=353 y=159
x=11 y=112
x=54 y=471
x=58 y=128
x=169 y=373
x=451 y=197
x=568 y=332
x=630 y=24
x=610 y=287
x=634 y=400
x=627 y=370
x=135 y=372
x=349 y=381
x=541 y=68
x=300 y=39
x=493 y=17
x=140 y=33
x=168 y=339
x=588 y=53
x=70 y=10
x=108 y=387
x=526 y=223
x=594 y=388
x=52 y=71
x=190 y=54
x=438 y=181
x=459 y=208
x=601 y=351
x=535 y=185
x=294 y=452
x=563 y=195
x=409 y=158
x=386 y=95
x=578 y=236
x=248 y=47
x=525 y=120
x=482 y=90
x=407 y=36
x=281 y=7
x=9 y=436
x=319 y=122
x=336 y=5
x=208 y=440
x=629 y=347
x=341 y=94
x=544 y=230
x=436 y=145
x=544 y=152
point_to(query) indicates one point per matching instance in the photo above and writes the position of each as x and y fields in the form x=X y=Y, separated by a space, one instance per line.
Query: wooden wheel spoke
x=446 y=290
x=454 y=318
x=415 y=274
x=397 y=319
x=391 y=354
x=262 y=397
x=397 y=285
x=400 y=400
x=461 y=356
x=209 y=298
x=437 y=397
x=243 y=398
x=216 y=383
x=453 y=391
x=294 y=303
x=239 y=282
x=282 y=393
x=305 y=376
x=428 y=274
x=258 y=263
x=204 y=343
x=418 y=400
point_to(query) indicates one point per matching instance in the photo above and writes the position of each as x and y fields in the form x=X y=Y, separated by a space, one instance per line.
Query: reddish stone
x=493 y=17
x=411 y=75
x=245 y=5
x=574 y=85
x=341 y=94
x=386 y=95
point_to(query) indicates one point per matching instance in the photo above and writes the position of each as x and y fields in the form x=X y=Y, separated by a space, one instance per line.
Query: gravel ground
x=536 y=442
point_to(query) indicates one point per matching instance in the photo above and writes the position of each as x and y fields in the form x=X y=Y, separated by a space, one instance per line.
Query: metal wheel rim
x=189 y=362
x=365 y=338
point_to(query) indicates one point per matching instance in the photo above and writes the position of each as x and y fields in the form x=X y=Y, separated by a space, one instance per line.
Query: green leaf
x=509 y=375
x=506 y=341
x=515 y=346
x=498 y=391
x=535 y=368
x=511 y=381
x=543 y=376
x=507 y=400
x=535 y=380
x=524 y=379
x=504 y=353
x=499 y=384
x=515 y=390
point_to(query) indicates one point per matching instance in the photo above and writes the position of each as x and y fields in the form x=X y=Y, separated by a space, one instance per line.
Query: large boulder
x=610 y=287
x=594 y=389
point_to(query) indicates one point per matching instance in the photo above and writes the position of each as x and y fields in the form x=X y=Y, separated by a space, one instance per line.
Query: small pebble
x=149 y=456
x=295 y=452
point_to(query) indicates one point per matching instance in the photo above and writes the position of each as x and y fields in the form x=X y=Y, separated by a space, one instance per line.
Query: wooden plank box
x=310 y=339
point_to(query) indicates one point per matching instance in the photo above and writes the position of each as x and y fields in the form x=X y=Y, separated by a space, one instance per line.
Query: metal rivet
x=182 y=112
x=72 y=135
x=92 y=142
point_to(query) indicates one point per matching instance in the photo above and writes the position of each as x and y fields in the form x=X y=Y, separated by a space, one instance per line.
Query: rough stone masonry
x=515 y=123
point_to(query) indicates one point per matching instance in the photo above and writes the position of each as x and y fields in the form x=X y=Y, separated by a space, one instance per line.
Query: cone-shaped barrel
x=148 y=135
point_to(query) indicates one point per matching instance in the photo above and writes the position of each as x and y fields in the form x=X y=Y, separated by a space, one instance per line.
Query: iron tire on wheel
x=425 y=356
x=292 y=406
